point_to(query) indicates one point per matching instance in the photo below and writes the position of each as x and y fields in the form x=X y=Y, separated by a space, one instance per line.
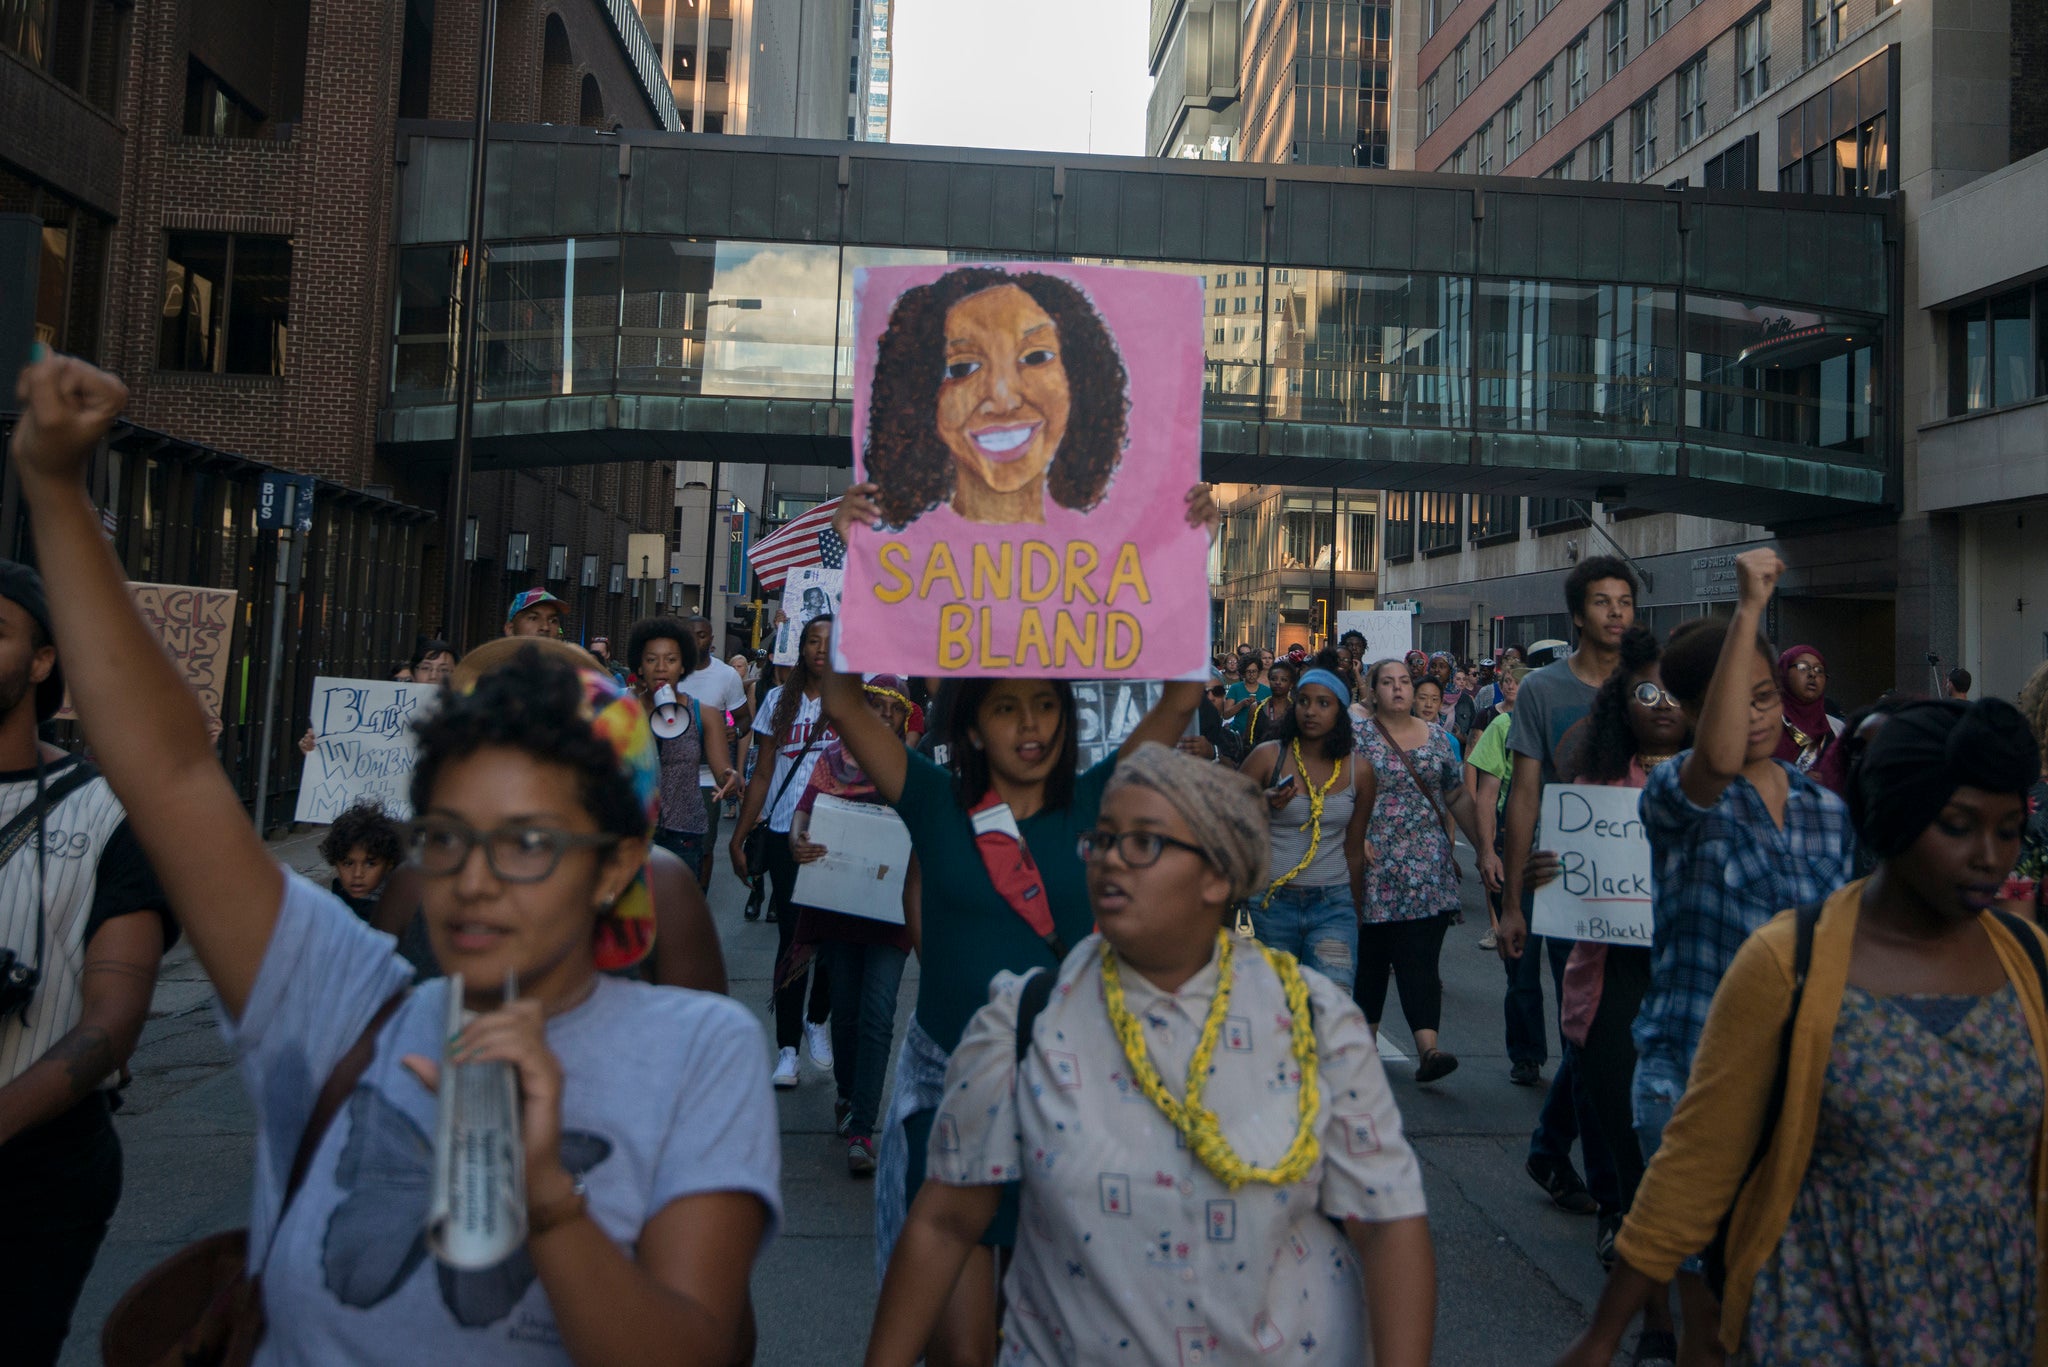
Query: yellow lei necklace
x=1314 y=825
x=1196 y=1122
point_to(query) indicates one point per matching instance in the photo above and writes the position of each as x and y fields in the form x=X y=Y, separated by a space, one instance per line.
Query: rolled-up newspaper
x=477 y=1214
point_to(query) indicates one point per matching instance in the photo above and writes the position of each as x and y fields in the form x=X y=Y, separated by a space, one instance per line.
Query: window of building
x=1998 y=351
x=1517 y=13
x=1826 y=23
x=1838 y=142
x=1461 y=72
x=1600 y=155
x=1575 y=73
x=1734 y=169
x=1241 y=277
x=1218 y=337
x=212 y=110
x=1237 y=334
x=1511 y=131
x=1429 y=105
x=1437 y=522
x=1483 y=148
x=1642 y=137
x=1495 y=516
x=1222 y=279
x=1457 y=164
x=1219 y=308
x=1692 y=101
x=1546 y=513
x=1488 y=42
x=1237 y=304
x=1546 y=87
x=226 y=303
x=1614 y=31
x=1399 y=515
x=1656 y=18
x=1565 y=169
x=1752 y=57
x=1431 y=18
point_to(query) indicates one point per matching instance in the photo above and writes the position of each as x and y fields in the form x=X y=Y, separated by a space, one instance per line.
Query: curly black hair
x=904 y=455
x=536 y=706
x=1691 y=654
x=1610 y=742
x=675 y=629
x=970 y=765
x=1341 y=740
x=368 y=825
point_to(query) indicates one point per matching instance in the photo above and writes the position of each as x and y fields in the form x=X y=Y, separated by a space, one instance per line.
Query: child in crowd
x=363 y=846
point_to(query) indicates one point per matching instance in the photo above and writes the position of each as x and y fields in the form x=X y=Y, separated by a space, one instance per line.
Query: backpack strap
x=1030 y=1002
x=2030 y=940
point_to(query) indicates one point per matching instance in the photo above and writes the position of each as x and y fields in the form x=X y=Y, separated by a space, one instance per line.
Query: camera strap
x=29 y=821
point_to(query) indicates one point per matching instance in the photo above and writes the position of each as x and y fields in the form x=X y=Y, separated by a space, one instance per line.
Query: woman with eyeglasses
x=649 y=1136
x=1000 y=888
x=1812 y=741
x=1208 y=1151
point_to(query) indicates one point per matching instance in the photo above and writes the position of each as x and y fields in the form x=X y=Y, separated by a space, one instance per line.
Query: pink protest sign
x=1033 y=429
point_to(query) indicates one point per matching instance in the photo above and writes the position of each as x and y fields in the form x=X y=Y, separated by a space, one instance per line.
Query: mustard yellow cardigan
x=1709 y=1141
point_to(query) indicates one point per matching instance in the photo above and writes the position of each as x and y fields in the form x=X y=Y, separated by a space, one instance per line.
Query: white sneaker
x=818 y=1038
x=785 y=1069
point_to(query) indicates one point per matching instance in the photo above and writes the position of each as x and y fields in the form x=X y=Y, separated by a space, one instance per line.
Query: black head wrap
x=1927 y=750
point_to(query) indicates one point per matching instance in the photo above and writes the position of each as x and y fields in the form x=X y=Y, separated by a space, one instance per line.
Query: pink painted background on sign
x=1156 y=321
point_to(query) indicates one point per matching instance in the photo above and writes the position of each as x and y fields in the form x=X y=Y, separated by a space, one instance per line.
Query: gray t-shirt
x=665 y=1096
x=1552 y=701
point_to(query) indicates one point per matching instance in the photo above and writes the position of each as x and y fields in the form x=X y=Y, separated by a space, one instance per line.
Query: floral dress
x=1911 y=1242
x=1412 y=877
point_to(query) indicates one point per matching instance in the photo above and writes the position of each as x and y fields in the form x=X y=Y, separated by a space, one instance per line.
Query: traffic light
x=745 y=623
x=1319 y=619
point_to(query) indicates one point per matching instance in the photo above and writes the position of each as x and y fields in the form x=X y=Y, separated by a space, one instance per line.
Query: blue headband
x=1326 y=679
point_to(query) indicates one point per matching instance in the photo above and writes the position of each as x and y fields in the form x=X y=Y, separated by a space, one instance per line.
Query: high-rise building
x=775 y=68
x=1193 y=57
x=874 y=38
x=1912 y=101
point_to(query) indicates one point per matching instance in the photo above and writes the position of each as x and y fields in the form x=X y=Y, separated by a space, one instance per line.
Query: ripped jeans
x=1318 y=926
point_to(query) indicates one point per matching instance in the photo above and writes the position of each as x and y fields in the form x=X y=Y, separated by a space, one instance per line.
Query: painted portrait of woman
x=994 y=391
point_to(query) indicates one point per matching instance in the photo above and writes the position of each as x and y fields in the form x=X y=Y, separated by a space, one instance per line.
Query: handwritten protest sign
x=1032 y=430
x=364 y=747
x=1107 y=711
x=806 y=593
x=1602 y=891
x=1388 y=635
x=196 y=627
x=867 y=851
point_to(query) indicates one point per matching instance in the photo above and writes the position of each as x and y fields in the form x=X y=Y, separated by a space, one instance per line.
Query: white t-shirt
x=664 y=1097
x=784 y=791
x=716 y=684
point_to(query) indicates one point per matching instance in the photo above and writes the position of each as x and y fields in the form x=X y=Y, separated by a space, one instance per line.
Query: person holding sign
x=1002 y=888
x=1209 y=1154
x=1411 y=886
x=863 y=956
x=1861 y=1140
x=1319 y=800
x=650 y=1153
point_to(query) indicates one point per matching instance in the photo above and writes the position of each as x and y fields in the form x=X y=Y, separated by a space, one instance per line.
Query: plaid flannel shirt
x=1719 y=873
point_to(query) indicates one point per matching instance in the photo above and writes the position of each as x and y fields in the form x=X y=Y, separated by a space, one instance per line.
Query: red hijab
x=1809 y=719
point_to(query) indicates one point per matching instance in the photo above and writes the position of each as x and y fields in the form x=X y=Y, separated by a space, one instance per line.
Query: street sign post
x=284 y=504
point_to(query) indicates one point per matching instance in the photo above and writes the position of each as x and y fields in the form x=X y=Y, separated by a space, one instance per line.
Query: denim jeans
x=1318 y=926
x=1658 y=1086
x=59 y=1184
x=864 y=979
x=688 y=846
x=1568 y=1115
x=1528 y=1037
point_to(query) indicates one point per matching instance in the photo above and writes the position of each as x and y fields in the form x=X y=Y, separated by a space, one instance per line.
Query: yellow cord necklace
x=1196 y=1122
x=1314 y=825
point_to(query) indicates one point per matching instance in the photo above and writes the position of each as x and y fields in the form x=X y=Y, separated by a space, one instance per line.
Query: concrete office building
x=773 y=68
x=1860 y=98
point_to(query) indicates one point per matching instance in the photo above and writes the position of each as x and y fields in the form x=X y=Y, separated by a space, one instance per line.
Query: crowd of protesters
x=1807 y=1114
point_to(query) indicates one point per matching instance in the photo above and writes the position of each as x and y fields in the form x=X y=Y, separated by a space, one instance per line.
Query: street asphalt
x=1516 y=1278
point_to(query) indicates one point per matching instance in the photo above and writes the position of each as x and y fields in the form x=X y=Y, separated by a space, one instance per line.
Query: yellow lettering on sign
x=1128 y=573
x=955 y=650
x=1074 y=639
x=993 y=566
x=986 y=657
x=1040 y=559
x=940 y=566
x=1031 y=637
x=895 y=565
x=1124 y=655
x=1081 y=562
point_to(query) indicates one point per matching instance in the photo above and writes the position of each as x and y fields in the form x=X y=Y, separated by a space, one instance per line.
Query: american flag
x=793 y=546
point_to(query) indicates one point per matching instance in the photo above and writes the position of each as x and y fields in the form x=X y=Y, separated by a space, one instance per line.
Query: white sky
x=1017 y=73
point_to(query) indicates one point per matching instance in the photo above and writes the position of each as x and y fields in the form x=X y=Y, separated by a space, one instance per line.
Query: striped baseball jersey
x=92 y=870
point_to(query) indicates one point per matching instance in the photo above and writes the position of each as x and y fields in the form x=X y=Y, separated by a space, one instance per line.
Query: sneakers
x=1603 y=1240
x=1562 y=1185
x=818 y=1039
x=860 y=1156
x=785 y=1075
x=842 y=1114
x=1489 y=941
x=1525 y=1073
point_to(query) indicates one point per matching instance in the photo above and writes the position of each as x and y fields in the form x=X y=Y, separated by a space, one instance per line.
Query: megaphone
x=671 y=718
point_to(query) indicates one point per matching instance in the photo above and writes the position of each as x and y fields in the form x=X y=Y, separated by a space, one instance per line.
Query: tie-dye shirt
x=1129 y=1250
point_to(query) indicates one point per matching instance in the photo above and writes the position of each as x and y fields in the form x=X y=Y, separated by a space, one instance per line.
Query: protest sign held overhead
x=363 y=747
x=196 y=627
x=1602 y=891
x=806 y=594
x=1032 y=430
x=1388 y=635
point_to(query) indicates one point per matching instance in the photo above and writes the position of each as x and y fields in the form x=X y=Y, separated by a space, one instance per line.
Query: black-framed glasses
x=1138 y=849
x=1811 y=668
x=1218 y=691
x=1650 y=695
x=516 y=854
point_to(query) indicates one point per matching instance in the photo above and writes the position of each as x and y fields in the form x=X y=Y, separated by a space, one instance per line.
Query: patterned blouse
x=1129 y=1250
x=1411 y=877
